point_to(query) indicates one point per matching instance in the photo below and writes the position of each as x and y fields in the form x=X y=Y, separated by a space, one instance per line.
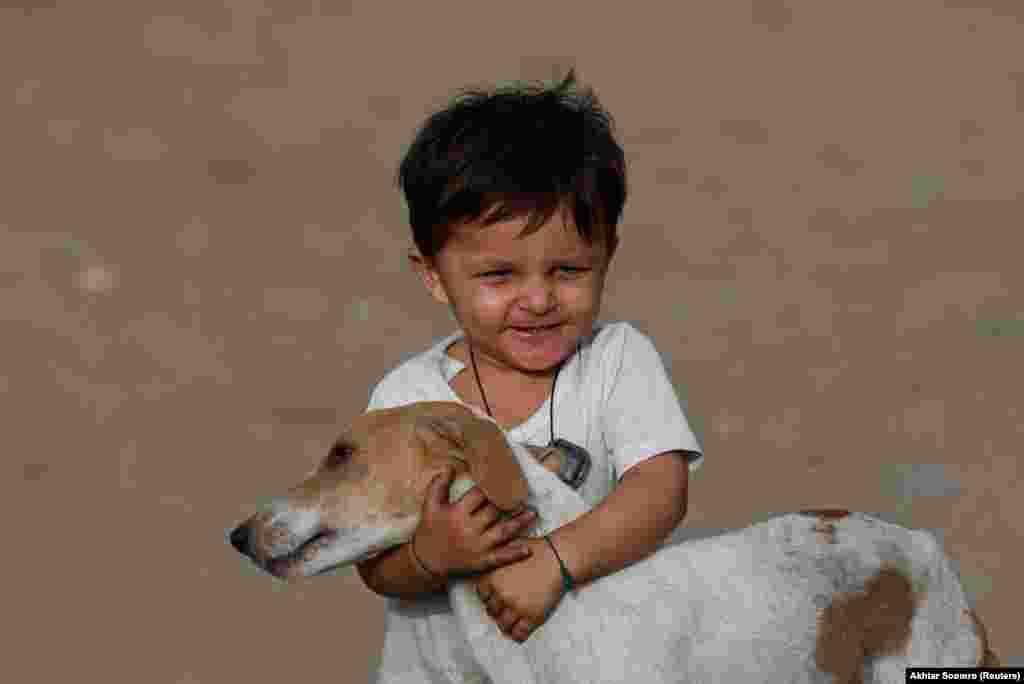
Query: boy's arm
x=646 y=506
x=641 y=511
x=396 y=574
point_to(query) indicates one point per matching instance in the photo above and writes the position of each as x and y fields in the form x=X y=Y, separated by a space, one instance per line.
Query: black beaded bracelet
x=567 y=581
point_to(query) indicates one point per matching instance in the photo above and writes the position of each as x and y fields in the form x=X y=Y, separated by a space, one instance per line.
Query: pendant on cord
x=576 y=464
x=574 y=468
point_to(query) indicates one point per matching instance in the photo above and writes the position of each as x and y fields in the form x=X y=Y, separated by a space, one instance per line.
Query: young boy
x=514 y=198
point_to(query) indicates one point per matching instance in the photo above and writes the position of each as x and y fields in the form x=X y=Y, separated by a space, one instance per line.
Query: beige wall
x=201 y=278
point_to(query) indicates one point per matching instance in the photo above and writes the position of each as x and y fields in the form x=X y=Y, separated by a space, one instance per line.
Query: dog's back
x=815 y=598
x=798 y=598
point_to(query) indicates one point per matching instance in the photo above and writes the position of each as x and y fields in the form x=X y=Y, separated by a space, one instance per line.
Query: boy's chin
x=537 y=369
x=537 y=362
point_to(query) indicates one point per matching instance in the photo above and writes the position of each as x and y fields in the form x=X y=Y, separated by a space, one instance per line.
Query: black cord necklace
x=578 y=459
x=574 y=469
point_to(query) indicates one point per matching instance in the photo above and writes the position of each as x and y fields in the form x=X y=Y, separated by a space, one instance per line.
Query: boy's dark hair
x=525 y=148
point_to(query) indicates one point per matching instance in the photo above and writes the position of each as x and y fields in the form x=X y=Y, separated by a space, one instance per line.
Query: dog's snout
x=240 y=538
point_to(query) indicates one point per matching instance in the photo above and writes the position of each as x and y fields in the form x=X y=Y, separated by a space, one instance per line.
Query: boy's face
x=496 y=282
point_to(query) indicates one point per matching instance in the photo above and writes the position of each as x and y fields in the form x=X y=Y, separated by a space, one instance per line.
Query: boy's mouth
x=535 y=329
x=538 y=337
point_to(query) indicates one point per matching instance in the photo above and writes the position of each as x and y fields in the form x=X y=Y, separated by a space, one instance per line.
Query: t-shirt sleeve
x=379 y=398
x=398 y=388
x=642 y=414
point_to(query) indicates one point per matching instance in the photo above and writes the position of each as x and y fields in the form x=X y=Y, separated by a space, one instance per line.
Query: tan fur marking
x=549 y=457
x=826 y=513
x=987 y=658
x=481 y=445
x=826 y=532
x=857 y=626
x=270 y=537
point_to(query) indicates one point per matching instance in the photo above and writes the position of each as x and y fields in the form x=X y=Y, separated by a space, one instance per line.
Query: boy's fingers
x=518 y=523
x=511 y=553
x=504 y=531
x=482 y=521
x=527 y=517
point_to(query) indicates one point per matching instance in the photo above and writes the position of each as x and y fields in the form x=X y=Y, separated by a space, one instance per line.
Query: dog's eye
x=338 y=455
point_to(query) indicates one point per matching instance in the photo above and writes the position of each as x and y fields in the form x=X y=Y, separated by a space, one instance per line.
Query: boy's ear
x=415 y=260
x=429 y=275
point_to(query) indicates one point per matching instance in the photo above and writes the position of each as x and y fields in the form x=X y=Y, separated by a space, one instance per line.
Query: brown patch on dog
x=987 y=657
x=826 y=532
x=824 y=522
x=872 y=623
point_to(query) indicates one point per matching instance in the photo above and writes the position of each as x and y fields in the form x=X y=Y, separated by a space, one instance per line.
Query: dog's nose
x=240 y=538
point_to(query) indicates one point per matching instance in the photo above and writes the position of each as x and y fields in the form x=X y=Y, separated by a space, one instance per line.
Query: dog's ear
x=482 y=445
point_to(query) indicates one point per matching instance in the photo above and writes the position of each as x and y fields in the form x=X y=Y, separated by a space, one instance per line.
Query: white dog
x=810 y=597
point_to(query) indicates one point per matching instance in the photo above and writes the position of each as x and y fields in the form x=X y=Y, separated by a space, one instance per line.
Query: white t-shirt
x=614 y=398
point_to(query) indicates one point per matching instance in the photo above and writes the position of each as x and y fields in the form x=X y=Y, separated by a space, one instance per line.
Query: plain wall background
x=202 y=276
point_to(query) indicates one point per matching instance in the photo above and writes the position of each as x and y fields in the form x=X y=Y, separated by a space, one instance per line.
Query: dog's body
x=815 y=597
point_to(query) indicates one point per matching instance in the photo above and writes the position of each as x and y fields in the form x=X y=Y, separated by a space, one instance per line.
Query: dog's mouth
x=291 y=564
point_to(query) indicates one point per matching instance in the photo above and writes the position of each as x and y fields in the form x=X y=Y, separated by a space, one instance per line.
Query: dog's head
x=366 y=495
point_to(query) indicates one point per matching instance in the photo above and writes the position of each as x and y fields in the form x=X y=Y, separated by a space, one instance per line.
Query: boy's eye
x=505 y=271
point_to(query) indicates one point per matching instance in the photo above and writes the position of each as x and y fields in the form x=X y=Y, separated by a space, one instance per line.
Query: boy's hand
x=520 y=597
x=466 y=536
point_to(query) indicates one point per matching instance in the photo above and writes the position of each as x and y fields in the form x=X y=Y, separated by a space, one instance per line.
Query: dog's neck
x=556 y=504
